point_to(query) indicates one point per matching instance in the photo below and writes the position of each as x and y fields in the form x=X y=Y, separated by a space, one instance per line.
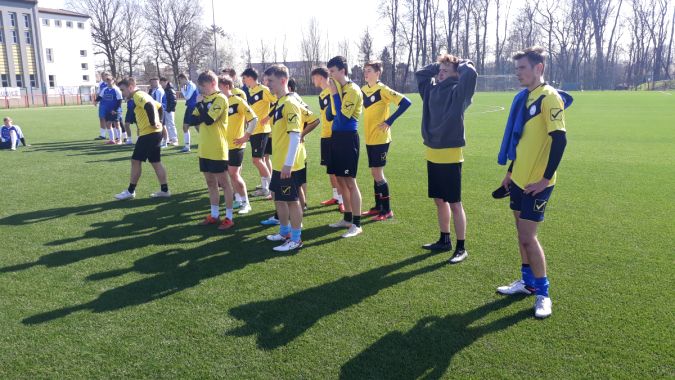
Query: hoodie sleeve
x=425 y=77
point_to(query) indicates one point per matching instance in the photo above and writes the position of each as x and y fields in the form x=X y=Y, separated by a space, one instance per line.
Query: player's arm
x=312 y=123
x=251 y=123
x=344 y=107
x=466 y=85
x=425 y=77
x=149 y=109
x=403 y=104
x=553 y=113
x=293 y=117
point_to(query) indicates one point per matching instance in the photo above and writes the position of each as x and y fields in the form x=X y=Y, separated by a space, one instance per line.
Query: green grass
x=92 y=288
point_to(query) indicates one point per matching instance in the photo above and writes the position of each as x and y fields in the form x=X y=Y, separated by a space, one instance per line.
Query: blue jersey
x=190 y=93
x=102 y=86
x=5 y=133
x=111 y=98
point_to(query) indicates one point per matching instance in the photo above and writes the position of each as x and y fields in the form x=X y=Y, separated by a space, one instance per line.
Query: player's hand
x=242 y=140
x=506 y=182
x=332 y=87
x=384 y=126
x=265 y=120
x=537 y=187
x=200 y=98
x=158 y=126
x=286 y=172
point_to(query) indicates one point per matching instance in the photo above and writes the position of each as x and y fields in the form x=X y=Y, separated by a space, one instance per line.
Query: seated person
x=10 y=135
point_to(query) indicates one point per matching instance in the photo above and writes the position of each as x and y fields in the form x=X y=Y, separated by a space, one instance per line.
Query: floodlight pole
x=215 y=36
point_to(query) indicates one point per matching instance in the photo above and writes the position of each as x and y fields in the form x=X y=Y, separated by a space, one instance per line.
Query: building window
x=26 y=21
x=33 y=80
x=50 y=55
x=85 y=66
x=69 y=24
x=45 y=21
x=19 y=80
x=57 y=23
x=52 y=81
x=80 y=25
x=15 y=38
x=85 y=78
x=5 y=80
x=83 y=53
x=12 y=20
x=2 y=35
x=29 y=39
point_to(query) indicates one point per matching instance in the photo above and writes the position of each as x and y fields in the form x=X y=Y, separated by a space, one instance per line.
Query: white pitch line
x=666 y=93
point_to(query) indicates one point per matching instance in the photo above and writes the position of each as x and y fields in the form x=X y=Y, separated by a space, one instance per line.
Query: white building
x=44 y=51
x=67 y=49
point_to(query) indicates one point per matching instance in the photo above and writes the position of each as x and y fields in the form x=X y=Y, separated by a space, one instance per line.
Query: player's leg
x=347 y=215
x=134 y=176
x=154 y=157
x=186 y=137
x=352 y=188
x=527 y=236
x=239 y=187
x=127 y=128
x=111 y=133
x=214 y=196
x=102 y=131
x=224 y=181
x=443 y=214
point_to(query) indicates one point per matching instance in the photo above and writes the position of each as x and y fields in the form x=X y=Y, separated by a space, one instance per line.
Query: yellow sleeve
x=391 y=96
x=219 y=105
x=309 y=116
x=553 y=110
x=195 y=112
x=267 y=95
x=293 y=116
x=246 y=111
x=140 y=100
x=349 y=102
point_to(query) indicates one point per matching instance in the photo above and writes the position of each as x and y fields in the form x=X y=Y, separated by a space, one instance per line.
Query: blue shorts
x=531 y=207
x=101 y=111
x=189 y=119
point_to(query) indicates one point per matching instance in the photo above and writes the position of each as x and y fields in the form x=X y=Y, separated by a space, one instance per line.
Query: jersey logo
x=372 y=99
x=349 y=105
x=252 y=99
x=540 y=205
x=233 y=109
x=383 y=156
x=534 y=109
x=292 y=117
x=286 y=190
x=323 y=102
x=556 y=114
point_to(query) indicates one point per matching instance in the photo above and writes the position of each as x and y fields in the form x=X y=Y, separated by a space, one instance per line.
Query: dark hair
x=375 y=65
x=226 y=80
x=163 y=79
x=250 y=72
x=207 y=76
x=126 y=82
x=535 y=55
x=339 y=62
x=279 y=71
x=320 y=71
x=182 y=76
x=231 y=72
x=154 y=78
x=292 y=85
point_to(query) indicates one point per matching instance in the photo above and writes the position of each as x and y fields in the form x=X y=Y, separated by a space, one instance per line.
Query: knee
x=456 y=208
x=526 y=240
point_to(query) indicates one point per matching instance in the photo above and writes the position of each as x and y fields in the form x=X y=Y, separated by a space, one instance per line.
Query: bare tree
x=198 y=48
x=170 y=22
x=389 y=11
x=264 y=52
x=105 y=29
x=501 y=40
x=366 y=47
x=132 y=35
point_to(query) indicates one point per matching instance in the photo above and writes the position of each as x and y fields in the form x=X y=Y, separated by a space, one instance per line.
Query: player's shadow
x=278 y=322
x=426 y=350
x=91 y=209
x=81 y=148
x=173 y=271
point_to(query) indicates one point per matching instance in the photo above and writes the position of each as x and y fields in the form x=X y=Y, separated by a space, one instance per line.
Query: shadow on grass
x=278 y=322
x=426 y=350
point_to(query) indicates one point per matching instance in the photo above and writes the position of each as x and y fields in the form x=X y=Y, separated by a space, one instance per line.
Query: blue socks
x=541 y=286
x=284 y=230
x=528 y=276
x=295 y=235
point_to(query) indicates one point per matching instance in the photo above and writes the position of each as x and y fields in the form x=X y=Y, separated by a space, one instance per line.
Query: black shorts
x=344 y=154
x=189 y=118
x=325 y=151
x=285 y=190
x=377 y=155
x=212 y=166
x=235 y=157
x=531 y=207
x=148 y=148
x=117 y=116
x=301 y=175
x=268 y=146
x=445 y=181
x=258 y=143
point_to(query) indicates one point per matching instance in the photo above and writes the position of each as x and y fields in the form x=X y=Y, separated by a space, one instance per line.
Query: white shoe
x=129 y=142
x=542 y=307
x=278 y=237
x=341 y=224
x=353 y=231
x=516 y=287
x=161 y=194
x=125 y=195
x=244 y=209
x=261 y=193
x=185 y=149
x=459 y=256
x=289 y=245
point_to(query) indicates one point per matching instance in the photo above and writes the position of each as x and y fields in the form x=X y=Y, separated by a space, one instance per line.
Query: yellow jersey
x=239 y=92
x=445 y=155
x=142 y=121
x=376 y=101
x=213 y=137
x=545 y=114
x=239 y=113
x=287 y=118
x=261 y=99
x=325 y=101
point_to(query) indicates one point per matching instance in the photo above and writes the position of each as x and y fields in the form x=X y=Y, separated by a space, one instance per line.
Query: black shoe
x=99 y=138
x=438 y=246
x=501 y=192
x=458 y=256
